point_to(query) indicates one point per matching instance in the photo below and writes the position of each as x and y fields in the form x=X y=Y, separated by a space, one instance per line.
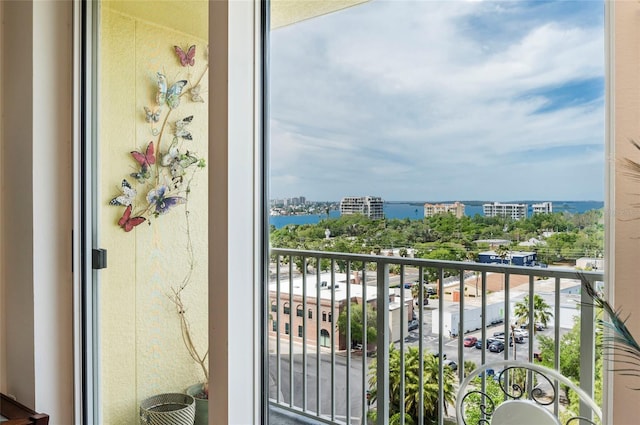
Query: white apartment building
x=497 y=209
x=543 y=208
x=370 y=206
x=457 y=209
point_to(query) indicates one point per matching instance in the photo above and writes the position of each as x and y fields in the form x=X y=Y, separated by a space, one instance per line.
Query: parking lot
x=450 y=345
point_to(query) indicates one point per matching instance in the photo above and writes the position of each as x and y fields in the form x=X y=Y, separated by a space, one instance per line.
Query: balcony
x=322 y=370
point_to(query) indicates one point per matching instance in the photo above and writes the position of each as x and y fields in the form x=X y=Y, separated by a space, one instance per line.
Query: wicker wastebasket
x=168 y=409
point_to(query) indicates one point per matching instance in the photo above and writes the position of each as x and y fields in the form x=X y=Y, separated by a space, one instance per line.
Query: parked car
x=518 y=338
x=451 y=364
x=492 y=340
x=538 y=326
x=444 y=355
x=496 y=334
x=496 y=347
x=501 y=339
x=413 y=324
x=479 y=344
x=431 y=290
x=470 y=341
x=521 y=332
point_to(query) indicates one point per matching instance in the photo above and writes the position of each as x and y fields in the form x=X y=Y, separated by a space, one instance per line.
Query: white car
x=521 y=332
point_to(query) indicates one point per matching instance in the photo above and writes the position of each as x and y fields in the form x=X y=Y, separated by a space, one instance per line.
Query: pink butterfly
x=145 y=159
x=127 y=222
x=188 y=58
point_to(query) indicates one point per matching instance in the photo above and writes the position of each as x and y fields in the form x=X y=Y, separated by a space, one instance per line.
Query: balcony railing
x=320 y=375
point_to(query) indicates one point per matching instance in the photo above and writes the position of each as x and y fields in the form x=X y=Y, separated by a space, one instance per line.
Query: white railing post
x=382 y=343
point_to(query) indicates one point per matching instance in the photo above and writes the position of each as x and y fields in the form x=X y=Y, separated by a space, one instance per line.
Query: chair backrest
x=519 y=403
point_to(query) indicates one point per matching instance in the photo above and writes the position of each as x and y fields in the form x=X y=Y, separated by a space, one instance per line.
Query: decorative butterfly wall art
x=145 y=160
x=181 y=129
x=160 y=202
x=127 y=197
x=164 y=175
x=195 y=94
x=178 y=163
x=187 y=58
x=152 y=116
x=170 y=95
x=127 y=222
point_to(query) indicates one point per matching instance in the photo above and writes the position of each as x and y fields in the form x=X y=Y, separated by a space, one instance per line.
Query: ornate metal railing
x=537 y=387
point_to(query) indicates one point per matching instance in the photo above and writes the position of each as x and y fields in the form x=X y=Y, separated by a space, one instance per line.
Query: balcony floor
x=278 y=416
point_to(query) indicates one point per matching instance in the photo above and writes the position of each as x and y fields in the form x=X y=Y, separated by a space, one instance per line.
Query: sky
x=440 y=100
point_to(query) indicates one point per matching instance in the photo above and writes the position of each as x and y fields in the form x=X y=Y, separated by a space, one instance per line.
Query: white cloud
x=420 y=100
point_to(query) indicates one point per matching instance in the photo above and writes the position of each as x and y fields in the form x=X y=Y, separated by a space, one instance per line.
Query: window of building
x=299 y=311
x=286 y=328
x=310 y=314
x=300 y=331
x=325 y=338
x=274 y=306
x=286 y=309
x=330 y=317
x=274 y=325
x=324 y=316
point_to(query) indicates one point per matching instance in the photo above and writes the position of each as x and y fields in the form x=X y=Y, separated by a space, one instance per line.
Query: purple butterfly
x=162 y=203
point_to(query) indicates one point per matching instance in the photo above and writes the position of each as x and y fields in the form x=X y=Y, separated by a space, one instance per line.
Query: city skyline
x=440 y=101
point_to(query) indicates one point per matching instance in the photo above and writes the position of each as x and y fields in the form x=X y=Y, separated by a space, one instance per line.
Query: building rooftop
x=340 y=292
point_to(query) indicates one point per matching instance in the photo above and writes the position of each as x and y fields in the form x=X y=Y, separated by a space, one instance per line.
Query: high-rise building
x=543 y=208
x=497 y=209
x=456 y=209
x=370 y=206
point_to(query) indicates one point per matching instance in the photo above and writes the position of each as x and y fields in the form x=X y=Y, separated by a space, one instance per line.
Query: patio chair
x=528 y=404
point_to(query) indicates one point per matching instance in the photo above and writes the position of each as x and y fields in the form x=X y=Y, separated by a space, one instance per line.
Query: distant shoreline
x=414 y=211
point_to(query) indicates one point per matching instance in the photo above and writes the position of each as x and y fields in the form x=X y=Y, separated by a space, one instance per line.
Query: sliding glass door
x=150 y=204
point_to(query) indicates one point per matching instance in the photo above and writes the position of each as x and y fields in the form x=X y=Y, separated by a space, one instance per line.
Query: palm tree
x=502 y=252
x=541 y=310
x=412 y=386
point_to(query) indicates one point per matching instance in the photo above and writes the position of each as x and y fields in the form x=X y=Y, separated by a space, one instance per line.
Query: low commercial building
x=516 y=258
x=497 y=209
x=370 y=206
x=457 y=209
x=292 y=311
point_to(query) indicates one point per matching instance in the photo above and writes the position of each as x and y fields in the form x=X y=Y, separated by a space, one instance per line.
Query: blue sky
x=440 y=100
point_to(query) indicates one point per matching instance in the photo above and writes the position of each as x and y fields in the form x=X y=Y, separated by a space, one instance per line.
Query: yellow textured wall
x=626 y=125
x=142 y=349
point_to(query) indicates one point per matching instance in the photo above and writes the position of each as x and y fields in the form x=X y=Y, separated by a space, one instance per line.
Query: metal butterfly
x=127 y=222
x=186 y=58
x=169 y=95
x=181 y=129
x=162 y=203
x=152 y=116
x=147 y=158
x=177 y=162
x=127 y=197
x=195 y=94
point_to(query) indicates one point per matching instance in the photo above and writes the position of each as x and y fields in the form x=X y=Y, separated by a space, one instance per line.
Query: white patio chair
x=520 y=407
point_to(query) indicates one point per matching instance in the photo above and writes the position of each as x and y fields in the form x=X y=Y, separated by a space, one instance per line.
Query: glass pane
x=152 y=202
x=407 y=134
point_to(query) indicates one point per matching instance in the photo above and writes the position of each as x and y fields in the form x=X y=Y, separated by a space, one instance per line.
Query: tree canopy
x=431 y=365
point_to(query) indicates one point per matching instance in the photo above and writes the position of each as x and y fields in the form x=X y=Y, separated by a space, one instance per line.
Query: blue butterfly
x=162 y=203
x=171 y=95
